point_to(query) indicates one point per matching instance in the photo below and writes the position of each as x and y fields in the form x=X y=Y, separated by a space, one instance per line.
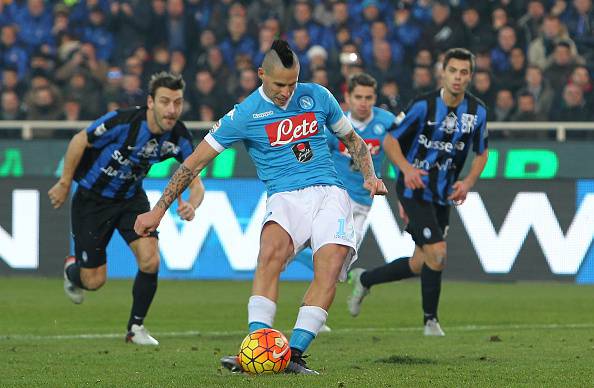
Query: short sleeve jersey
x=123 y=150
x=373 y=133
x=437 y=138
x=287 y=145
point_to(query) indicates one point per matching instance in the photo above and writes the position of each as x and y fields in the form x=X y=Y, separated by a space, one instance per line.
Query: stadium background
x=530 y=219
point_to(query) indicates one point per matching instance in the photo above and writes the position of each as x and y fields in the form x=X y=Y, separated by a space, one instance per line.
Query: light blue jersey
x=372 y=131
x=288 y=146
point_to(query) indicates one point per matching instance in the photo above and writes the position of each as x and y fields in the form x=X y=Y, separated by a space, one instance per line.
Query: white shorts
x=315 y=216
x=360 y=213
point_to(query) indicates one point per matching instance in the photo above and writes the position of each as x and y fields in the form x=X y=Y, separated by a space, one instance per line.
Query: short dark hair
x=361 y=79
x=165 y=80
x=459 y=53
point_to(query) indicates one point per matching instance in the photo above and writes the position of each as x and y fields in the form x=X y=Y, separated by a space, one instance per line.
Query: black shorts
x=94 y=219
x=428 y=222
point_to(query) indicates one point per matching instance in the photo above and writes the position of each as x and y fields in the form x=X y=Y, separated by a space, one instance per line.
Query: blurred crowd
x=72 y=60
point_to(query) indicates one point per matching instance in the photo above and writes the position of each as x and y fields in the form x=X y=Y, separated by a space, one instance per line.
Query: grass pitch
x=524 y=334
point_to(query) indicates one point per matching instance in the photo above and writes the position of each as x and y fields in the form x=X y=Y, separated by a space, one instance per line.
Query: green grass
x=524 y=334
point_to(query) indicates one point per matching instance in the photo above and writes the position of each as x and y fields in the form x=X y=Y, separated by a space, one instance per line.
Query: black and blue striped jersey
x=436 y=138
x=123 y=150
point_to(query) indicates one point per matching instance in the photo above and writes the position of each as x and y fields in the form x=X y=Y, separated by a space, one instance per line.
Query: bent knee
x=436 y=257
x=94 y=283
x=149 y=265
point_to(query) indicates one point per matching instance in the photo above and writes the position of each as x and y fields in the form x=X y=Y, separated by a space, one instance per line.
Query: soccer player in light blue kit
x=281 y=124
x=371 y=124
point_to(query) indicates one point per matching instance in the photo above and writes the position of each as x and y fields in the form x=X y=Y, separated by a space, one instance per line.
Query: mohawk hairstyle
x=286 y=55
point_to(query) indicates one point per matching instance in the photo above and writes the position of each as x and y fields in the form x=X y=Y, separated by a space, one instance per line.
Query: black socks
x=73 y=274
x=143 y=291
x=430 y=290
x=396 y=270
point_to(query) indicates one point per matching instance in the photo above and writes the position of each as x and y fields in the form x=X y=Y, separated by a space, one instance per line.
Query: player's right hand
x=58 y=193
x=413 y=178
x=146 y=223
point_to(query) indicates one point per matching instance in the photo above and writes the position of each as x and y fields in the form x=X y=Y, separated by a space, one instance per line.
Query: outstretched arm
x=190 y=169
x=362 y=159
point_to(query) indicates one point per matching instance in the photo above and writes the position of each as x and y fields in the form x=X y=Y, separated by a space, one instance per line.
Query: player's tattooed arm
x=177 y=184
x=360 y=154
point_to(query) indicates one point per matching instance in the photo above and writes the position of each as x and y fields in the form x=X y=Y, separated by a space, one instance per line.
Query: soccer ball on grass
x=264 y=351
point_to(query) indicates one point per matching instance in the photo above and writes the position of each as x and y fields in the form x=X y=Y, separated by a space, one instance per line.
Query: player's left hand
x=460 y=190
x=185 y=210
x=375 y=187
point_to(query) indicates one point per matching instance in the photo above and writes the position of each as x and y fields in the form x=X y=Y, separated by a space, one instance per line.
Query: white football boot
x=140 y=336
x=433 y=329
x=74 y=293
x=359 y=291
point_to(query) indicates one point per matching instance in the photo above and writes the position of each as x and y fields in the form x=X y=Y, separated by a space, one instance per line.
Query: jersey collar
x=265 y=97
x=360 y=125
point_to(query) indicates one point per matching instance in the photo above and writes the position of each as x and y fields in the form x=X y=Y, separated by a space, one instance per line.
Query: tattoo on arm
x=178 y=183
x=360 y=154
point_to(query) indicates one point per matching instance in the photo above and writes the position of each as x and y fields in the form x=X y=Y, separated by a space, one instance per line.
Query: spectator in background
x=80 y=11
x=208 y=40
x=573 y=107
x=265 y=39
x=513 y=78
x=483 y=60
x=317 y=57
x=218 y=68
x=442 y=33
x=178 y=63
x=113 y=86
x=389 y=97
x=379 y=33
x=72 y=110
x=504 y=105
x=10 y=81
x=527 y=108
x=499 y=19
x=97 y=33
x=482 y=87
x=424 y=58
x=129 y=19
x=82 y=87
x=206 y=112
x=11 y=106
x=405 y=29
x=248 y=82
x=475 y=33
x=258 y=11
x=301 y=45
x=205 y=90
x=160 y=59
x=320 y=77
x=563 y=64
x=368 y=13
x=43 y=104
x=422 y=80
x=580 y=23
x=132 y=93
x=383 y=65
x=180 y=28
x=61 y=21
x=506 y=41
x=580 y=76
x=157 y=34
x=303 y=18
x=540 y=51
x=13 y=54
x=237 y=41
x=82 y=59
x=530 y=23
x=540 y=89
x=35 y=24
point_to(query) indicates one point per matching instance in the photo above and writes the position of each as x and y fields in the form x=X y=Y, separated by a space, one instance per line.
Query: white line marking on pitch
x=192 y=333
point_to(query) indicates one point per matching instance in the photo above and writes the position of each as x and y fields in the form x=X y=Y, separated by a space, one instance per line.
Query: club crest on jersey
x=168 y=148
x=149 y=149
x=306 y=102
x=302 y=152
x=468 y=122
x=292 y=129
x=450 y=123
x=379 y=129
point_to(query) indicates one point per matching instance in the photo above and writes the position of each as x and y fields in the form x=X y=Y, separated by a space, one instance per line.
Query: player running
x=109 y=161
x=430 y=146
x=281 y=126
